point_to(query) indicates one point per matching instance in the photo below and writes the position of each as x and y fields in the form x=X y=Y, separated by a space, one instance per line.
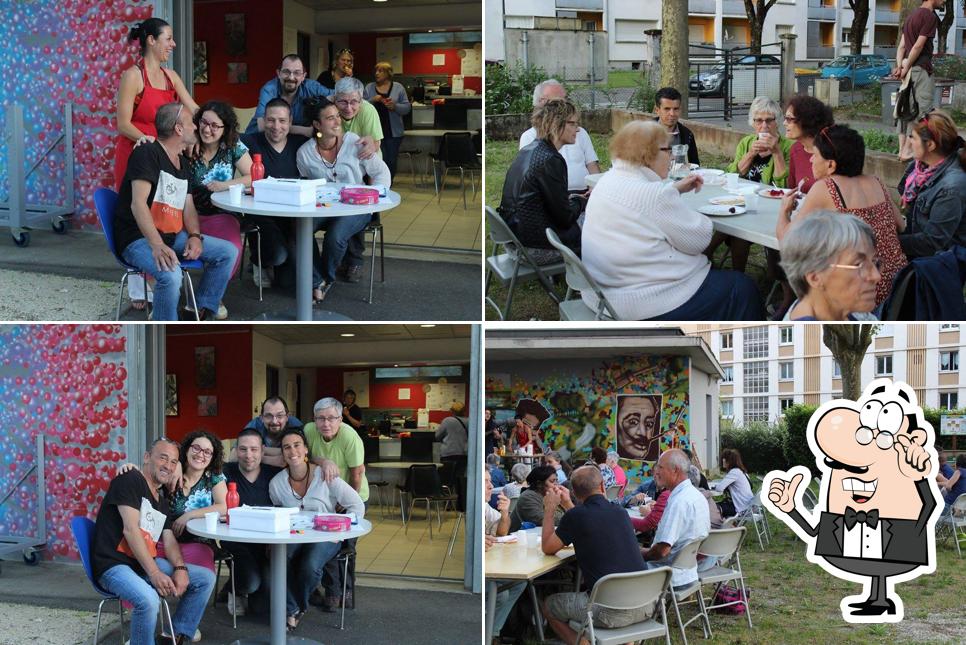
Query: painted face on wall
x=638 y=427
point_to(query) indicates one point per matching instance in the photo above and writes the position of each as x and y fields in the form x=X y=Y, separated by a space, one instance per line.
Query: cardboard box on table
x=263 y=519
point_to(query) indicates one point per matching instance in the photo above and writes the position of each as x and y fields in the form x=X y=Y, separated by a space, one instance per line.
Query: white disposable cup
x=533 y=538
x=522 y=538
x=762 y=135
x=235 y=193
x=211 y=521
x=731 y=180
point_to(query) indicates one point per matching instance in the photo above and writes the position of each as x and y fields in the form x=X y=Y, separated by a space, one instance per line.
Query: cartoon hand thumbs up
x=781 y=493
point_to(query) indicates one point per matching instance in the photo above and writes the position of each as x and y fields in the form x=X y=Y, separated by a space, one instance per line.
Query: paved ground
x=54 y=604
x=73 y=277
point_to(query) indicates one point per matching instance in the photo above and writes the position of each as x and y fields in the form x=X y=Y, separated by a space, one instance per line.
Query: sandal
x=292 y=622
x=319 y=293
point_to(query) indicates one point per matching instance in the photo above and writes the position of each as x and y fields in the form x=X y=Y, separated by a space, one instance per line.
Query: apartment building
x=768 y=368
x=822 y=26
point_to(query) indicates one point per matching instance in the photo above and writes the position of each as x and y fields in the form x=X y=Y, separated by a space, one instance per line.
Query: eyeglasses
x=291 y=73
x=198 y=450
x=327 y=419
x=346 y=103
x=277 y=417
x=214 y=127
x=865 y=267
x=791 y=119
x=883 y=438
x=767 y=121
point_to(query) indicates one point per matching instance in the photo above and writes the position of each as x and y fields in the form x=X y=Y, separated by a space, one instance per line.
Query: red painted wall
x=233 y=383
x=381 y=395
x=416 y=61
x=263 y=30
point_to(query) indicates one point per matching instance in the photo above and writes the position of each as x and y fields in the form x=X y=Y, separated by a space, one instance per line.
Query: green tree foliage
x=760 y=444
x=795 y=448
x=509 y=90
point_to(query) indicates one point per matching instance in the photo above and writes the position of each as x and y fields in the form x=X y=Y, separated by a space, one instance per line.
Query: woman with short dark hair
x=805 y=117
x=529 y=506
x=837 y=163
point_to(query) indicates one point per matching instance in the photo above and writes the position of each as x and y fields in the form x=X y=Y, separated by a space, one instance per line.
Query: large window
x=424 y=371
x=727 y=340
x=786 y=403
x=787 y=370
x=949 y=361
x=729 y=374
x=756 y=409
x=787 y=335
x=755 y=342
x=949 y=400
x=755 y=377
x=727 y=408
x=883 y=365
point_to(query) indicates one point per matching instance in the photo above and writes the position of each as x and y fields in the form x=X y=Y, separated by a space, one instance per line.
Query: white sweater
x=642 y=244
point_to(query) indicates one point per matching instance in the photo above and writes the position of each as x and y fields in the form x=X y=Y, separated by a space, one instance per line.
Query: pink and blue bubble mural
x=66 y=51
x=67 y=383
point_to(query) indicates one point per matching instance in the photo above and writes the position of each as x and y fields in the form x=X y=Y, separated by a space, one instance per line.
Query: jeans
x=505 y=599
x=218 y=257
x=253 y=576
x=724 y=295
x=275 y=234
x=123 y=581
x=390 y=153
x=305 y=565
x=338 y=231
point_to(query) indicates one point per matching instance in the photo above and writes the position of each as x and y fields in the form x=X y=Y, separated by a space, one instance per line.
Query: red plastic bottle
x=258 y=170
x=231 y=499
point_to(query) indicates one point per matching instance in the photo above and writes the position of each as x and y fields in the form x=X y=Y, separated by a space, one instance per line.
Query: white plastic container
x=292 y=192
x=263 y=519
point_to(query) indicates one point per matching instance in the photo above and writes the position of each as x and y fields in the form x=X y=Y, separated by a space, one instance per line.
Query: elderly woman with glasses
x=933 y=188
x=643 y=244
x=535 y=195
x=838 y=158
x=832 y=265
x=762 y=156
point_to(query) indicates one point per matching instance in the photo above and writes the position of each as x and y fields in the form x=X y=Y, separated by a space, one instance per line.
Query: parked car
x=863 y=68
x=752 y=75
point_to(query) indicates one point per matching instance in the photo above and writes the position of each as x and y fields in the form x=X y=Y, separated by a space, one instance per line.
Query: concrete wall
x=493 y=36
x=562 y=54
x=509 y=127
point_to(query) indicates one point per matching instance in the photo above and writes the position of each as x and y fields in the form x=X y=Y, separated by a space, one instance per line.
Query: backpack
x=726 y=594
x=907 y=108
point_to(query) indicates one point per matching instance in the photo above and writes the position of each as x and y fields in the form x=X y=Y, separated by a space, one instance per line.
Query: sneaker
x=352 y=273
x=319 y=293
x=262 y=278
x=236 y=604
x=221 y=314
x=194 y=639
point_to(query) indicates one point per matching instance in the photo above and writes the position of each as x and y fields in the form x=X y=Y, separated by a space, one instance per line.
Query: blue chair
x=83 y=530
x=105 y=202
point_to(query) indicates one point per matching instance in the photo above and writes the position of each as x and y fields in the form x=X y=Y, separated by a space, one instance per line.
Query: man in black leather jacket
x=667 y=106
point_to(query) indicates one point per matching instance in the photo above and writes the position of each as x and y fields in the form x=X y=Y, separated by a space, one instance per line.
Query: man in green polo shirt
x=330 y=440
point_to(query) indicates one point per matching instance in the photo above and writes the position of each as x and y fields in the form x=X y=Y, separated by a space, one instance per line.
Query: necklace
x=291 y=484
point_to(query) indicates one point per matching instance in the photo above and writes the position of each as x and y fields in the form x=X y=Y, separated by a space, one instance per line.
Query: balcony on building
x=700 y=32
x=734 y=8
x=885 y=38
x=820 y=52
x=701 y=6
x=736 y=33
x=580 y=5
x=821 y=10
x=701 y=50
x=887 y=12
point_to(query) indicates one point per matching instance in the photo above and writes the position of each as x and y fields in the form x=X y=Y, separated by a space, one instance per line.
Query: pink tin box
x=359 y=196
x=331 y=523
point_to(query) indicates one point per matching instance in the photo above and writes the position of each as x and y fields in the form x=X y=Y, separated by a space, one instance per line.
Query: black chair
x=418 y=447
x=423 y=485
x=456 y=150
x=248 y=227
x=371 y=447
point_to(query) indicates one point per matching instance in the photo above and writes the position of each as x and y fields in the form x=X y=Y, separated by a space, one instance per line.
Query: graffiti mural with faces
x=68 y=51
x=67 y=383
x=583 y=402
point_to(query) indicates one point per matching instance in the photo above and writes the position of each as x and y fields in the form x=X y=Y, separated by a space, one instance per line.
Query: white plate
x=722 y=211
x=765 y=192
x=728 y=200
x=711 y=172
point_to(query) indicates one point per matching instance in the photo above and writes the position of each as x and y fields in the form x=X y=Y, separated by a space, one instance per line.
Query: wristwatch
x=201 y=238
x=181 y=568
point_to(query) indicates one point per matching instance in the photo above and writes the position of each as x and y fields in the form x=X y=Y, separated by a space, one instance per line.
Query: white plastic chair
x=755 y=513
x=628 y=591
x=724 y=544
x=579 y=280
x=952 y=523
x=687 y=558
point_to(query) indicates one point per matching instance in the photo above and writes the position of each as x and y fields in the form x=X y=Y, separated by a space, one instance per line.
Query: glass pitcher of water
x=680 y=167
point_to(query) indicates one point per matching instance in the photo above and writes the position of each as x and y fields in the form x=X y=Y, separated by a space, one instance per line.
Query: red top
x=145 y=109
x=650 y=522
x=800 y=167
x=880 y=217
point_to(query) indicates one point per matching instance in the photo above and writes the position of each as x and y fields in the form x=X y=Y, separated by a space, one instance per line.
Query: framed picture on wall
x=170 y=395
x=200 y=75
x=207 y=405
x=237 y=73
x=204 y=367
x=235 y=34
x=639 y=426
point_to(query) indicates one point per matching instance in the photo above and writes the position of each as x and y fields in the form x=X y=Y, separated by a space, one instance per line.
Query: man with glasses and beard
x=291 y=85
x=273 y=420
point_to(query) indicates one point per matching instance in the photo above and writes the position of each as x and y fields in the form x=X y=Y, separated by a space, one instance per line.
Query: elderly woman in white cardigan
x=643 y=244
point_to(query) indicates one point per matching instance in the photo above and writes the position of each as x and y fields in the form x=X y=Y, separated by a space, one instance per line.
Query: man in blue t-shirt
x=252 y=577
x=292 y=86
x=604 y=543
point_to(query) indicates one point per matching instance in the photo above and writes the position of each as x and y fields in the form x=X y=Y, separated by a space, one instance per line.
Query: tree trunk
x=848 y=344
x=860 y=8
x=945 y=24
x=757 y=11
x=674 y=49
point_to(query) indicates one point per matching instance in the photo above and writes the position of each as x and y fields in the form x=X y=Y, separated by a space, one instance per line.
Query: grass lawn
x=795 y=602
x=623 y=78
x=530 y=301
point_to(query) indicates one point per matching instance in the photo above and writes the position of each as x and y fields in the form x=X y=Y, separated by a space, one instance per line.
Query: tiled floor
x=388 y=550
x=421 y=220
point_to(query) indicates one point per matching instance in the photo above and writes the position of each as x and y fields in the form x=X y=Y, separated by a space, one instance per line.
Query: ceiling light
x=430 y=31
x=347 y=335
x=395 y=364
x=427 y=326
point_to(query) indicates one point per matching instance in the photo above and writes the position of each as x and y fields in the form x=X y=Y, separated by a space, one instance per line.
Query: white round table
x=278 y=543
x=304 y=238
